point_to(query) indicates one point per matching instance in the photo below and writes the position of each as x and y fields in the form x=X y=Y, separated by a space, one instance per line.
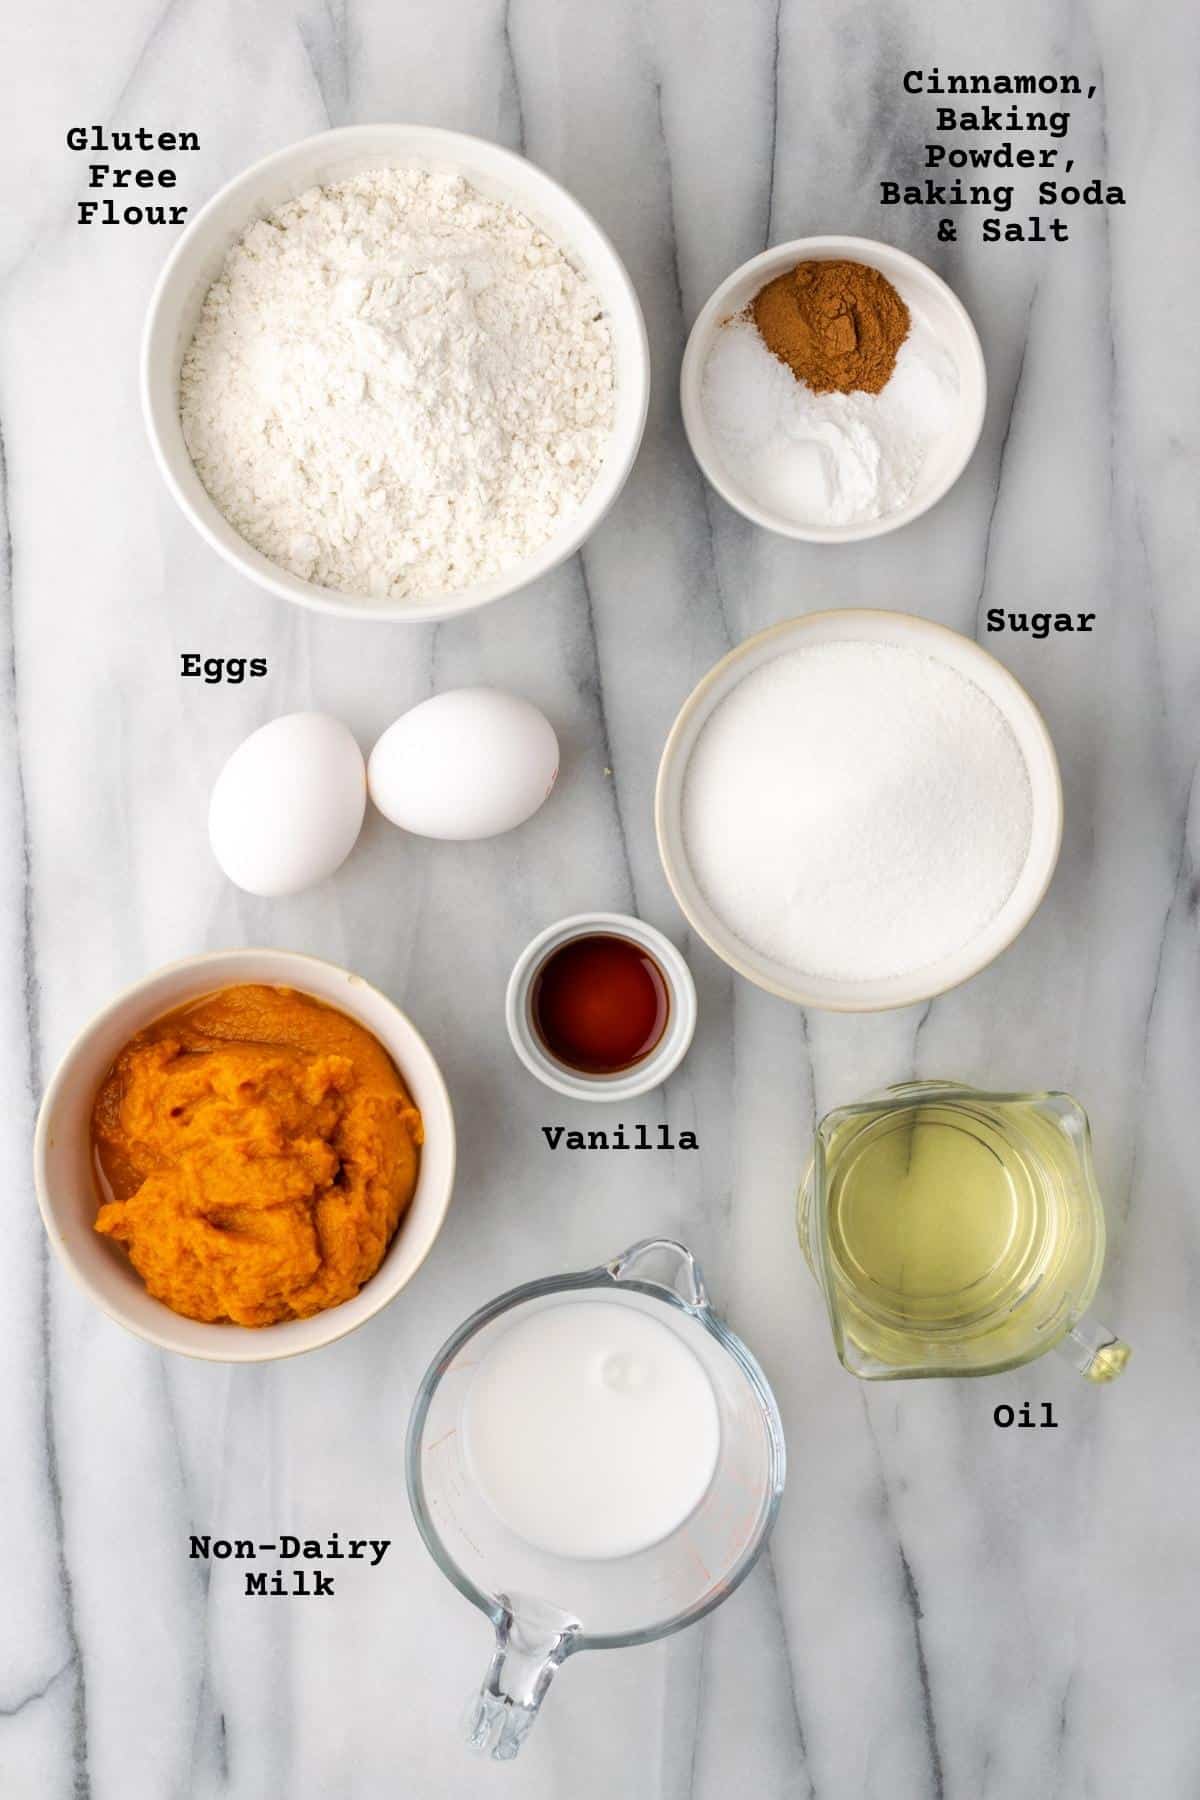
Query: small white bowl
x=927 y=297
x=333 y=156
x=662 y=1061
x=66 y=1186
x=864 y=626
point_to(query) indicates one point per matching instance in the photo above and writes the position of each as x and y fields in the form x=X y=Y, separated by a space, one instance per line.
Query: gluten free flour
x=398 y=387
x=856 y=810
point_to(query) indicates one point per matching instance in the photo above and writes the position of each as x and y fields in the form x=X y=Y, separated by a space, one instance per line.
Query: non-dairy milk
x=591 y=1428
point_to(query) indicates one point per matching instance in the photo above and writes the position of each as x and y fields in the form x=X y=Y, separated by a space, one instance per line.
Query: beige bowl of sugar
x=858 y=810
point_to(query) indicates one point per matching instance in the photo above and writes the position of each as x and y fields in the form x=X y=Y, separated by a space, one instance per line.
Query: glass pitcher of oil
x=955 y=1232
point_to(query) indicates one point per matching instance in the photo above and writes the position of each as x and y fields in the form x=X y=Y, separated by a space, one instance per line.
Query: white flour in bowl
x=856 y=810
x=398 y=387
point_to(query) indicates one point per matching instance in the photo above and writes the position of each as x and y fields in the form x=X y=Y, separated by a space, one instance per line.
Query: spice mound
x=398 y=387
x=257 y=1150
x=837 y=325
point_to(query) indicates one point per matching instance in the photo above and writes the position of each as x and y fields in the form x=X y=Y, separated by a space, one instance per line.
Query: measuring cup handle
x=528 y=1653
x=1098 y=1353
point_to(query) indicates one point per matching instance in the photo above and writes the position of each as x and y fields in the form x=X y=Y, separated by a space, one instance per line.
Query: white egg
x=288 y=805
x=470 y=763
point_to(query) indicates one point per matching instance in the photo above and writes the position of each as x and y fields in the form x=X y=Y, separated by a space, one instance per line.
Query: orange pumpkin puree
x=257 y=1150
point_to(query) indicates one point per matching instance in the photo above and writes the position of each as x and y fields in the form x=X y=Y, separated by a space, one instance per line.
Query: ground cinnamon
x=837 y=325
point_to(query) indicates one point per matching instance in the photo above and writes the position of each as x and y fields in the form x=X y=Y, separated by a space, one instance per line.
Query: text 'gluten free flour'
x=857 y=810
x=398 y=387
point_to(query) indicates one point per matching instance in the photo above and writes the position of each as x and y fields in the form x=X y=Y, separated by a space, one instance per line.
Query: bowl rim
x=626 y=1084
x=258 y=1336
x=768 y=262
x=610 y=480
x=668 y=826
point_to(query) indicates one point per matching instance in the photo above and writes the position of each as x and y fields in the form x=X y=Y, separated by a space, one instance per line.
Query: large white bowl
x=864 y=626
x=926 y=296
x=333 y=156
x=66 y=1186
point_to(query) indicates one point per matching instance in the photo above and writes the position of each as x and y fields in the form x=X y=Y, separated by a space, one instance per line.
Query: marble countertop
x=946 y=1609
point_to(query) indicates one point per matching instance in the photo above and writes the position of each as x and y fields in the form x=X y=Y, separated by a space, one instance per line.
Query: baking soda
x=826 y=459
x=856 y=810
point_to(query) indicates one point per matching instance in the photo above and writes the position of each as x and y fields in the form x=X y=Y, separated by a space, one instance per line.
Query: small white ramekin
x=927 y=297
x=66 y=1185
x=627 y=1083
x=334 y=156
x=861 y=625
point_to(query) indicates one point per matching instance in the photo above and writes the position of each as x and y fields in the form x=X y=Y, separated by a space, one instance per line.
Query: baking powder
x=825 y=459
x=398 y=387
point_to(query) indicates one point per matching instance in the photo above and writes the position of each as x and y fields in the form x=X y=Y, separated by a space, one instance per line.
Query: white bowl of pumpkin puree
x=246 y=1155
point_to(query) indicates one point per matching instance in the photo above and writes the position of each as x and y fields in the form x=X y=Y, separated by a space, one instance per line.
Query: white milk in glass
x=591 y=1429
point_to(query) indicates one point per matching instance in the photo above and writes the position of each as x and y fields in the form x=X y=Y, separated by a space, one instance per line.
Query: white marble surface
x=946 y=1609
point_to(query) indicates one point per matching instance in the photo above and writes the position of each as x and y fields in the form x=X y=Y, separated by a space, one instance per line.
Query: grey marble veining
x=947 y=1610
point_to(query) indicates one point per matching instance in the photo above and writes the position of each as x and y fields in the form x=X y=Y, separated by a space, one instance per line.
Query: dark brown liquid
x=599 y=1004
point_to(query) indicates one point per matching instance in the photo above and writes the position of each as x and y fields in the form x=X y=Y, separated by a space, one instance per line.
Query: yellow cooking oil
x=953 y=1232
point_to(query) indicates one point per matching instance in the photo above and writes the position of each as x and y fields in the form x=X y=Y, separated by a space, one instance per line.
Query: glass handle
x=1098 y=1353
x=530 y=1647
x=661 y=1262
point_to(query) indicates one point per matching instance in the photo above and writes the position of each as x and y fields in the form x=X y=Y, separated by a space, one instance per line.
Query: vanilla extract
x=600 y=1003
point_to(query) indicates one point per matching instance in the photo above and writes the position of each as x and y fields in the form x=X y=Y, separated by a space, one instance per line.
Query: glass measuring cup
x=955 y=1232
x=543 y=1607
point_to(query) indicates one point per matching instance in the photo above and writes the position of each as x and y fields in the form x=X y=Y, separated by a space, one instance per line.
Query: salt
x=856 y=810
x=826 y=459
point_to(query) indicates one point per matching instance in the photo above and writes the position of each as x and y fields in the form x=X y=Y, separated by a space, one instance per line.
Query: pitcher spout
x=662 y=1263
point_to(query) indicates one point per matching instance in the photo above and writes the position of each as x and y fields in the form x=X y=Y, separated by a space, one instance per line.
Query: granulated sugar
x=856 y=810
